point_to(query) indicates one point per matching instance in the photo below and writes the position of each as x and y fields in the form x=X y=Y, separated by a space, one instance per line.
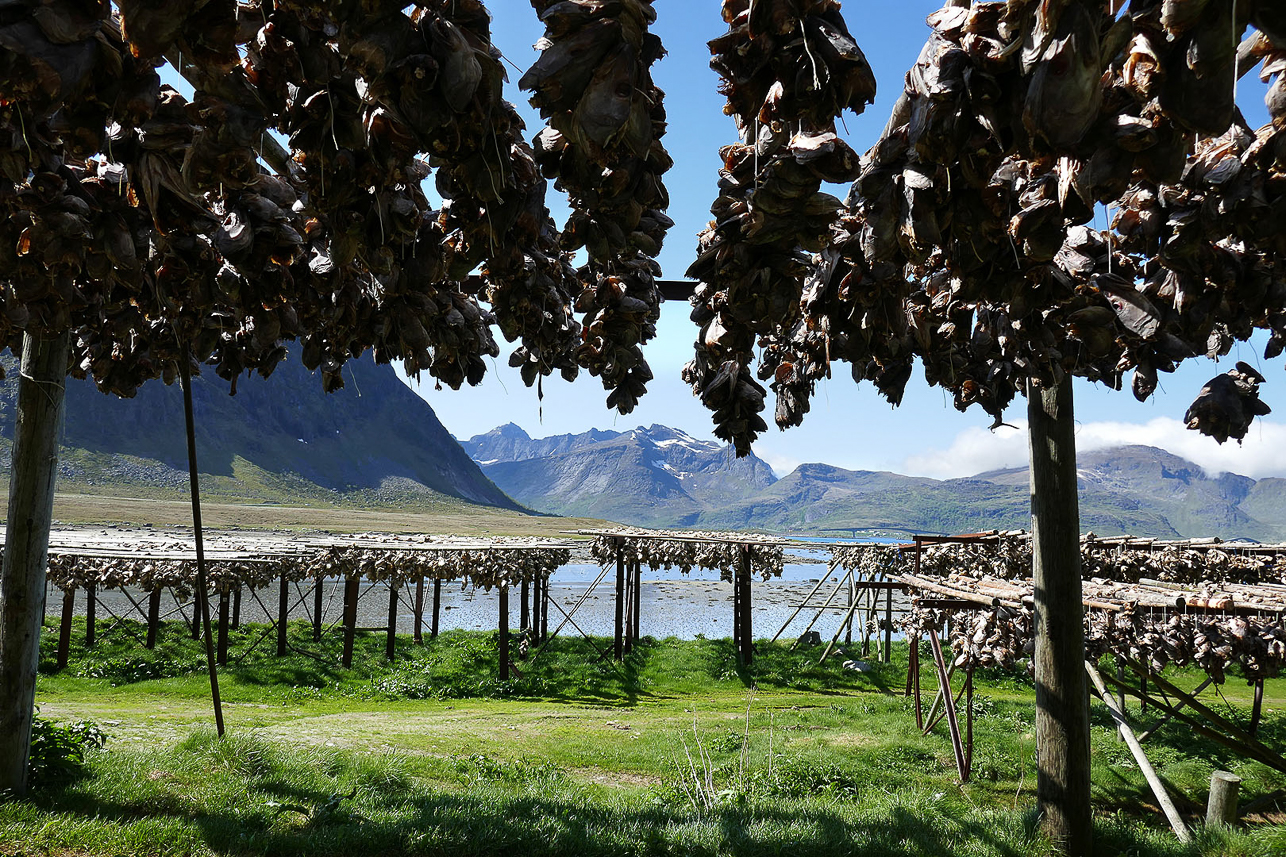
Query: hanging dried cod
x=593 y=84
x=789 y=68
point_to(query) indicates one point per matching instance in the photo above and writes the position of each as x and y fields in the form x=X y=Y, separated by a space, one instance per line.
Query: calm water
x=673 y=604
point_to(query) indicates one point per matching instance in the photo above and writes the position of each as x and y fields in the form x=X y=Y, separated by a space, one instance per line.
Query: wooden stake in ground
x=418 y=634
x=202 y=592
x=504 y=632
x=619 y=644
x=437 y=606
x=153 y=616
x=1062 y=696
x=41 y=385
x=283 y=613
x=350 y=618
x=390 y=640
x=64 y=627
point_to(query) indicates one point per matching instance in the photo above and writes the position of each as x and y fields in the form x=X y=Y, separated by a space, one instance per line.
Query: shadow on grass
x=447 y=823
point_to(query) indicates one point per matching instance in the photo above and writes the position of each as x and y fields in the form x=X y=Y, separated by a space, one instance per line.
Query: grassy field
x=449 y=516
x=675 y=751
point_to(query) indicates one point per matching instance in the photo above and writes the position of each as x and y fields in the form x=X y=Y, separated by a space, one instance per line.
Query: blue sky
x=850 y=425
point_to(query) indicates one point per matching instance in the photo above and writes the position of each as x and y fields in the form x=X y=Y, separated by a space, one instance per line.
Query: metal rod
x=185 y=374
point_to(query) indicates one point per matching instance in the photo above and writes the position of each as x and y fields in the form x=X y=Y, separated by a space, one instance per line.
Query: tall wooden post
x=91 y=614
x=64 y=626
x=350 y=617
x=391 y=639
x=225 y=599
x=629 y=608
x=283 y=613
x=1062 y=695
x=504 y=632
x=524 y=608
x=153 y=616
x=747 y=635
x=236 y=607
x=34 y=456
x=888 y=625
x=618 y=648
x=736 y=610
x=318 y=584
x=202 y=588
x=437 y=606
x=638 y=598
x=418 y=634
x=544 y=610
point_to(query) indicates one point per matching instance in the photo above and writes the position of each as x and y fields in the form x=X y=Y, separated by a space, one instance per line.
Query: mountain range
x=661 y=477
x=279 y=439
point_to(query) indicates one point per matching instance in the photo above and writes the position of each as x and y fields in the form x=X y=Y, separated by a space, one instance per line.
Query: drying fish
x=593 y=85
x=1227 y=404
x=788 y=69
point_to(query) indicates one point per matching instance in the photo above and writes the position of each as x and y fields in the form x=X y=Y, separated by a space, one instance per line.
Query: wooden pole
x=350 y=618
x=1145 y=767
x=203 y=600
x=418 y=634
x=1062 y=694
x=504 y=633
x=153 y=616
x=1221 y=808
x=618 y=647
x=746 y=604
x=236 y=607
x=283 y=613
x=544 y=610
x=225 y=598
x=437 y=605
x=524 y=606
x=629 y=608
x=830 y=569
x=64 y=627
x=888 y=625
x=638 y=599
x=1257 y=708
x=318 y=584
x=91 y=614
x=34 y=471
x=391 y=639
x=852 y=605
x=944 y=685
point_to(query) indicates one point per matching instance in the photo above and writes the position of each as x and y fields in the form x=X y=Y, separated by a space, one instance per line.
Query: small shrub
x=58 y=749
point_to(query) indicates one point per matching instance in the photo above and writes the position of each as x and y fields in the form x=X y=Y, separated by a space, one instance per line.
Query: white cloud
x=780 y=464
x=976 y=450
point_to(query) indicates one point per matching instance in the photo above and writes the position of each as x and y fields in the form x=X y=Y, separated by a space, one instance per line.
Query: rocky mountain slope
x=279 y=439
x=656 y=476
x=662 y=477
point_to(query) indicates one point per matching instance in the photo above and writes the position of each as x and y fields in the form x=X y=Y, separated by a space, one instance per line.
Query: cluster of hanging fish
x=108 y=230
x=146 y=224
x=1256 y=644
x=789 y=68
x=484 y=567
x=724 y=552
x=593 y=85
x=1007 y=556
x=968 y=238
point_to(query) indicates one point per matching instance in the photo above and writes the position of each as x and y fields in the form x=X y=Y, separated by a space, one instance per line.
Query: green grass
x=675 y=751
